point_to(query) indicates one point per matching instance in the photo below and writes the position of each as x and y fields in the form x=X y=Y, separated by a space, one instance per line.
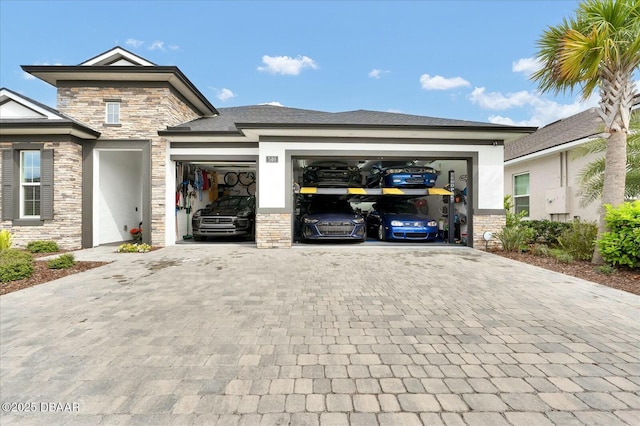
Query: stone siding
x=66 y=227
x=483 y=223
x=143 y=112
x=273 y=230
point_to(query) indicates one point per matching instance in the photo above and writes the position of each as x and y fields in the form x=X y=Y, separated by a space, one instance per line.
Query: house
x=127 y=136
x=542 y=169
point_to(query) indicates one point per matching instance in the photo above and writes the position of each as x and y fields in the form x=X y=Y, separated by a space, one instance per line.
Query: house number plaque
x=272 y=158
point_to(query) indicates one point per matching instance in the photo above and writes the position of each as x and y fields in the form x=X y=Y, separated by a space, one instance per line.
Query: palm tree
x=591 y=177
x=599 y=48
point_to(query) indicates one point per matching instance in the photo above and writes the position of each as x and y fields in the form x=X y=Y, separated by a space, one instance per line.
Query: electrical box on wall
x=557 y=200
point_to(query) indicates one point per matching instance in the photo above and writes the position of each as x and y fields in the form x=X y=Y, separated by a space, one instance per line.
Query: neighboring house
x=128 y=133
x=542 y=169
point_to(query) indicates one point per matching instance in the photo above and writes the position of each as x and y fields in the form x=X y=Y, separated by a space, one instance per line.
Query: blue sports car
x=331 y=219
x=399 y=219
x=402 y=176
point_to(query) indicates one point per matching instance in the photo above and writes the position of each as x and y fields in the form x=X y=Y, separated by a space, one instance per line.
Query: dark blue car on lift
x=399 y=220
x=330 y=218
x=407 y=175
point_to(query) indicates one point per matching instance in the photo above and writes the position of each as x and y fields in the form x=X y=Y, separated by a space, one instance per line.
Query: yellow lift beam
x=374 y=191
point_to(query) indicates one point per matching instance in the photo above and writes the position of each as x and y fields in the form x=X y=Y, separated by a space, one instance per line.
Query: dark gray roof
x=580 y=126
x=235 y=118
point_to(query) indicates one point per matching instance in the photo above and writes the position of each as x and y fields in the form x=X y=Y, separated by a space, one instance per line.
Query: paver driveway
x=228 y=334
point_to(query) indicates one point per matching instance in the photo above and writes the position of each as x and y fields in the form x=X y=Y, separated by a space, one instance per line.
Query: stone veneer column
x=66 y=226
x=482 y=223
x=273 y=230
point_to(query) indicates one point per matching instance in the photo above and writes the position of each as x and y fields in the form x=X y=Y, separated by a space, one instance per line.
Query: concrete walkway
x=214 y=334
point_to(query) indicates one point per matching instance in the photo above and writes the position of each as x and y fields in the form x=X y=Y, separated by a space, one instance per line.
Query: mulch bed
x=42 y=274
x=622 y=279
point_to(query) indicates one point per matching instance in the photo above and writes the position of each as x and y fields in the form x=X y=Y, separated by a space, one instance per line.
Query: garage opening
x=381 y=200
x=215 y=201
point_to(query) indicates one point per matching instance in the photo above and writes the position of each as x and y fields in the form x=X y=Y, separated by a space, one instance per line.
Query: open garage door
x=215 y=201
x=394 y=200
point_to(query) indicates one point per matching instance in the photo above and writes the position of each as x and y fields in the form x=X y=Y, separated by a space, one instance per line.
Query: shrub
x=62 y=262
x=579 y=240
x=15 y=265
x=514 y=235
x=41 y=246
x=5 y=239
x=546 y=231
x=540 y=250
x=561 y=255
x=606 y=269
x=513 y=238
x=621 y=246
x=133 y=248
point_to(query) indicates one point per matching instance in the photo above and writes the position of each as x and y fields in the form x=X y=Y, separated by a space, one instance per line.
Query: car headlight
x=352 y=168
x=197 y=214
x=394 y=171
x=309 y=220
x=244 y=214
x=358 y=220
x=432 y=223
x=396 y=223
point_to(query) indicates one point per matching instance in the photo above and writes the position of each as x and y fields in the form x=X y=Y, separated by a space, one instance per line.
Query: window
x=29 y=184
x=113 y=113
x=521 y=193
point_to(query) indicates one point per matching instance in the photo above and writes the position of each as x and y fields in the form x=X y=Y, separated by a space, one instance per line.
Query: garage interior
x=199 y=183
x=430 y=202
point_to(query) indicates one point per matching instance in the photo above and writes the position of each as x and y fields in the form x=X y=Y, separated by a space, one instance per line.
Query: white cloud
x=286 y=65
x=498 y=101
x=225 y=94
x=133 y=42
x=542 y=111
x=157 y=45
x=438 y=82
x=272 y=103
x=376 y=73
x=174 y=47
x=526 y=66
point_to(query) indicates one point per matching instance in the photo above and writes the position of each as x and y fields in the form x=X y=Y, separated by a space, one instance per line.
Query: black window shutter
x=46 y=184
x=7 y=184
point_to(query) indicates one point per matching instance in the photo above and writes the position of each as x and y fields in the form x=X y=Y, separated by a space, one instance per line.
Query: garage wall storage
x=200 y=183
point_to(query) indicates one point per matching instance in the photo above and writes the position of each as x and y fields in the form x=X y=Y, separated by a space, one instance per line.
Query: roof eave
x=52 y=127
x=53 y=74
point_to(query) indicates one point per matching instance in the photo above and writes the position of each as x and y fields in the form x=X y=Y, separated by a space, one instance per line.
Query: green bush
x=546 y=231
x=540 y=250
x=515 y=235
x=579 y=240
x=5 y=239
x=62 y=262
x=621 y=246
x=15 y=265
x=41 y=246
x=561 y=256
x=514 y=238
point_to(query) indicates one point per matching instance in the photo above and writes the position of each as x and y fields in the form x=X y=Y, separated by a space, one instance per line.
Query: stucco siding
x=547 y=176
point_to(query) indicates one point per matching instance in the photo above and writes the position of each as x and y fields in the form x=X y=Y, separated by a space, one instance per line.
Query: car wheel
x=381 y=233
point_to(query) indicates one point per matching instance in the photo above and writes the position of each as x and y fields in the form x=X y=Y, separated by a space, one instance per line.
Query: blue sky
x=453 y=59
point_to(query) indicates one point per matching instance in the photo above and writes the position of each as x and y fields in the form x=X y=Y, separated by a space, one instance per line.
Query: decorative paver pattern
x=227 y=334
